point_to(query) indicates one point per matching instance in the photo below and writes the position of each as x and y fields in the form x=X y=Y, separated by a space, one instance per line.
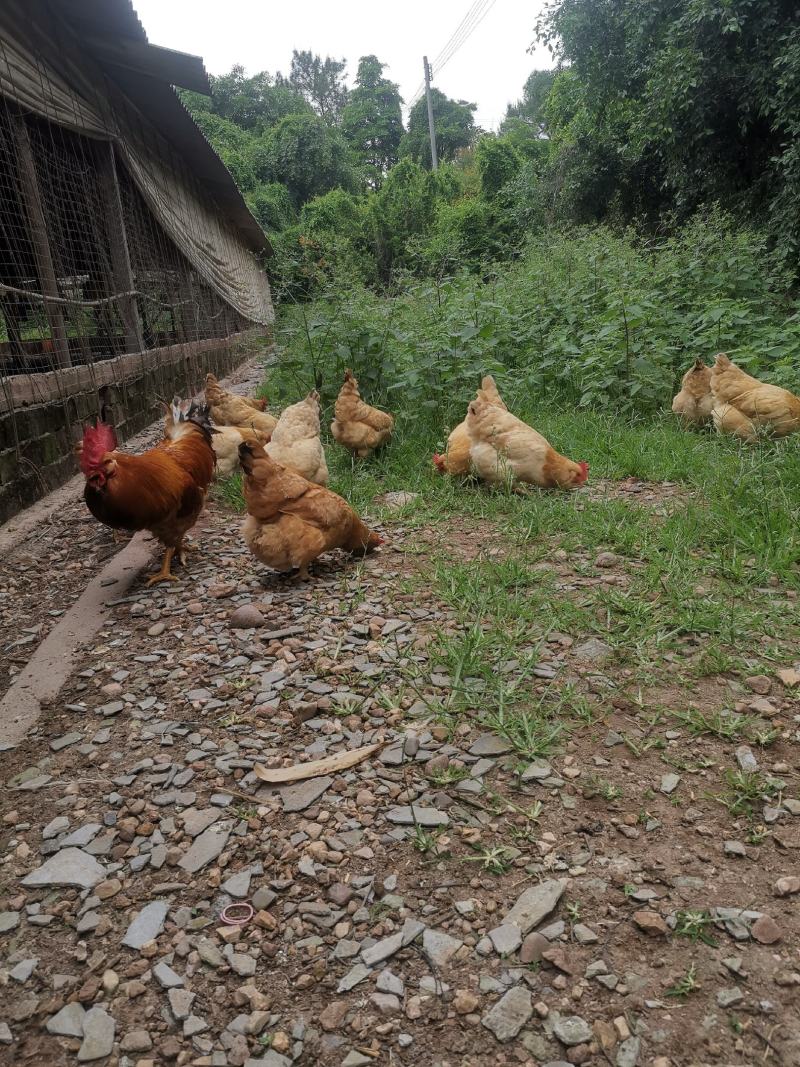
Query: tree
x=498 y=162
x=372 y=121
x=320 y=82
x=531 y=108
x=453 y=121
x=255 y=103
x=679 y=105
x=307 y=156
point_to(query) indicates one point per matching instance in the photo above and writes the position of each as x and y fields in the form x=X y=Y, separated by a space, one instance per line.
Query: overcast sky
x=489 y=69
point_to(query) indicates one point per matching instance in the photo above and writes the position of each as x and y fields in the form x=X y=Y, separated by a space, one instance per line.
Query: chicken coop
x=130 y=264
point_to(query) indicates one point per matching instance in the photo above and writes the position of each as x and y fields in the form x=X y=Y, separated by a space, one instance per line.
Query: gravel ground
x=442 y=902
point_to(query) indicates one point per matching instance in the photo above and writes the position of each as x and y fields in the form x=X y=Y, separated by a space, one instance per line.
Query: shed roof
x=111 y=32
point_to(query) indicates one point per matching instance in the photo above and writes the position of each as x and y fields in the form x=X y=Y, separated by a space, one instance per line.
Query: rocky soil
x=443 y=902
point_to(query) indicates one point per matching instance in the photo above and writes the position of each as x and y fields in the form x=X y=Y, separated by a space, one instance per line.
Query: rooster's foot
x=165 y=574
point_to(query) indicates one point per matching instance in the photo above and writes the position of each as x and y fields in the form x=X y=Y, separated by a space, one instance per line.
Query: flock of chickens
x=293 y=517
x=736 y=403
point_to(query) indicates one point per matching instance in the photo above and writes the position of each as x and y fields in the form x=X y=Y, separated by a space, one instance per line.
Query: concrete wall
x=42 y=415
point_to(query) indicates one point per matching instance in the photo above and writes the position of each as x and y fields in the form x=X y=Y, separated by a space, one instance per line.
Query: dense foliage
x=599 y=320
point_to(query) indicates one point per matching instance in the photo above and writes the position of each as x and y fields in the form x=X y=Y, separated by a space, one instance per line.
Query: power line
x=455 y=34
x=469 y=23
x=447 y=53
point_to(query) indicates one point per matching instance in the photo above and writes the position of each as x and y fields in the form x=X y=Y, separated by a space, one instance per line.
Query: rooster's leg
x=165 y=574
x=302 y=573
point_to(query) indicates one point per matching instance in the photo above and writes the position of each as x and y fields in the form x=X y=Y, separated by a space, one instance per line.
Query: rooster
x=162 y=490
x=743 y=405
x=357 y=425
x=290 y=520
x=455 y=459
x=503 y=447
x=693 y=403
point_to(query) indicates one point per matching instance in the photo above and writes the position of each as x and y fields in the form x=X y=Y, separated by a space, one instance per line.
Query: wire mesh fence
x=86 y=271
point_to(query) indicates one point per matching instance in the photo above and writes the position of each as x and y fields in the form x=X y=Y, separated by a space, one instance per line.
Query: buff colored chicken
x=455 y=459
x=503 y=447
x=296 y=443
x=356 y=425
x=226 y=441
x=693 y=403
x=743 y=405
x=290 y=520
x=228 y=409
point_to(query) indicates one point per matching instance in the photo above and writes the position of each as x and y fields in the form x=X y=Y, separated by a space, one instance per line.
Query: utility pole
x=431 y=127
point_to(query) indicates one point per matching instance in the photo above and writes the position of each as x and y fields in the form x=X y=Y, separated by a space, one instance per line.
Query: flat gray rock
x=572 y=1030
x=353 y=977
x=592 y=651
x=439 y=946
x=628 y=1052
x=238 y=885
x=147 y=925
x=70 y=866
x=23 y=970
x=180 y=1002
x=508 y=1016
x=68 y=1022
x=98 y=1035
x=427 y=817
x=271 y=1059
x=382 y=950
x=9 y=920
x=505 y=939
x=206 y=848
x=534 y=905
x=669 y=783
x=166 y=977
x=490 y=745
x=196 y=820
x=302 y=795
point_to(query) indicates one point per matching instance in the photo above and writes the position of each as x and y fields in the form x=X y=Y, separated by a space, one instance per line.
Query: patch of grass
x=423 y=840
x=743 y=789
x=495 y=859
x=449 y=775
x=594 y=786
x=695 y=926
x=727 y=725
x=229 y=493
x=686 y=984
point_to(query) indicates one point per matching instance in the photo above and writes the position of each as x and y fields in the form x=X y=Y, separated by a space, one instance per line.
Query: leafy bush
x=593 y=319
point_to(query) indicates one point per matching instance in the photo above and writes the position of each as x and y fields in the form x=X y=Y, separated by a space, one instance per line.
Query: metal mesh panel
x=86 y=271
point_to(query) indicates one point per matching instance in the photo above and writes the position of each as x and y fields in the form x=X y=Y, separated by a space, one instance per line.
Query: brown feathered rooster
x=162 y=490
x=290 y=520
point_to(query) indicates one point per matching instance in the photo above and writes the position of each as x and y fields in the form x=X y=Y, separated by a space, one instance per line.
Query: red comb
x=97 y=440
x=584 y=466
x=438 y=461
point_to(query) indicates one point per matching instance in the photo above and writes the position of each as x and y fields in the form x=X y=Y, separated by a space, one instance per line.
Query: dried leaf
x=339 y=761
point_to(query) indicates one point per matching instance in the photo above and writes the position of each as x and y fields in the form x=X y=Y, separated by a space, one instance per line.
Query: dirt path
x=600 y=905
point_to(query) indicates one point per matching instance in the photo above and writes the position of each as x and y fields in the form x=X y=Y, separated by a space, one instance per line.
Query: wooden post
x=32 y=200
x=118 y=240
